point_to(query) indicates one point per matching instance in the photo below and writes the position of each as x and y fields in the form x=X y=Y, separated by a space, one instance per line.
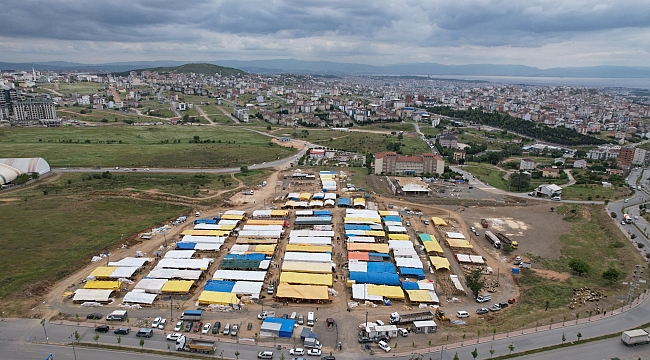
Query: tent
x=103 y=272
x=139 y=297
x=130 y=262
x=222 y=298
x=305 y=278
x=439 y=262
x=92 y=295
x=380 y=248
x=391 y=292
x=432 y=247
x=153 y=286
x=308 y=248
x=239 y=275
x=304 y=292
x=278 y=327
x=308 y=267
x=102 y=285
x=438 y=221
x=375 y=278
x=412 y=272
x=177 y=286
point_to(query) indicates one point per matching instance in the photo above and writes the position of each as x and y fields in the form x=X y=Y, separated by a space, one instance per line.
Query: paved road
x=605 y=349
x=642 y=227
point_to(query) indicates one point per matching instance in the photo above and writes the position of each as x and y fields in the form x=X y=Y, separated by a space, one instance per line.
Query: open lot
x=82 y=88
x=362 y=142
x=132 y=146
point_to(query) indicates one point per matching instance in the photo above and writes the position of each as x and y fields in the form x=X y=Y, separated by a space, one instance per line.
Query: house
x=459 y=155
x=580 y=164
x=549 y=190
x=527 y=164
x=551 y=172
x=448 y=141
x=317 y=154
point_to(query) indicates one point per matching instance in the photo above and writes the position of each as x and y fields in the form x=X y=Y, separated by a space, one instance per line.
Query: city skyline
x=542 y=34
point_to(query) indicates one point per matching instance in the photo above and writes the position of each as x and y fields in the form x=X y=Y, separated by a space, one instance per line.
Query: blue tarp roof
x=356 y=227
x=381 y=267
x=406 y=285
x=292 y=197
x=219 y=286
x=286 y=326
x=344 y=201
x=185 y=245
x=379 y=255
x=375 y=278
x=322 y=213
x=392 y=218
x=253 y=256
x=412 y=272
x=317 y=197
x=205 y=221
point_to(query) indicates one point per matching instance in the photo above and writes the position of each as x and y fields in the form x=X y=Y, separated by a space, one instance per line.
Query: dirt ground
x=296 y=144
x=528 y=225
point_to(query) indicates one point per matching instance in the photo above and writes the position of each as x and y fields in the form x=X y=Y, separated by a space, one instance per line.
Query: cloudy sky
x=541 y=33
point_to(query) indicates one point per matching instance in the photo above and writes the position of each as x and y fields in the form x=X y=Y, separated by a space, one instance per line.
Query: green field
x=362 y=142
x=134 y=146
x=81 y=88
x=593 y=192
x=406 y=127
x=489 y=174
x=92 y=115
x=46 y=240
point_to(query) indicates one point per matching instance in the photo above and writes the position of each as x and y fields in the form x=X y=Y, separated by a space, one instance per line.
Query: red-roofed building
x=390 y=163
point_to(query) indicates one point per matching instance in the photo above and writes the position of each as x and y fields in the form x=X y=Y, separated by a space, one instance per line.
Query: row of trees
x=558 y=135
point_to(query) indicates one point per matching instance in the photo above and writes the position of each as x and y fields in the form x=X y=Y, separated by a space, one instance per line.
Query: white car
x=179 y=326
x=297 y=351
x=384 y=346
x=162 y=323
x=206 y=328
x=379 y=322
x=174 y=336
x=156 y=322
x=314 y=352
x=462 y=314
x=518 y=258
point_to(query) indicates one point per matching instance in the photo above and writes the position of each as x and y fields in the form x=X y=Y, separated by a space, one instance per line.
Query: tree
x=612 y=274
x=76 y=316
x=519 y=181
x=579 y=266
x=141 y=343
x=119 y=340
x=511 y=347
x=507 y=248
x=237 y=354
x=491 y=351
x=579 y=335
x=494 y=333
x=244 y=169
x=614 y=215
x=268 y=127
x=76 y=336
x=475 y=282
x=474 y=353
x=563 y=338
x=464 y=336
x=456 y=356
x=96 y=338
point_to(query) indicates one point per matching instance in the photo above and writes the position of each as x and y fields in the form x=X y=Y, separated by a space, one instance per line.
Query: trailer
x=484 y=223
x=398 y=319
x=628 y=218
x=191 y=315
x=119 y=315
x=493 y=239
x=506 y=240
x=184 y=343
x=635 y=337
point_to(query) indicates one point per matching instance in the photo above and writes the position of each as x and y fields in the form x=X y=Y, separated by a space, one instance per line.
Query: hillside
x=199 y=68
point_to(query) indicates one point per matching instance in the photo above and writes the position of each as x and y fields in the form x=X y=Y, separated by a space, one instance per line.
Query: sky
x=540 y=33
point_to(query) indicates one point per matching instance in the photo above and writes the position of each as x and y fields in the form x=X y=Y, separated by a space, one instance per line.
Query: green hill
x=200 y=68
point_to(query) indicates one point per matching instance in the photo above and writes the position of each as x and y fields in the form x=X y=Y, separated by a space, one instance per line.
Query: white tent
x=400 y=244
x=304 y=212
x=200 y=264
x=130 y=262
x=251 y=288
x=309 y=257
x=162 y=273
x=360 y=292
x=397 y=230
x=261 y=233
x=264 y=227
x=357 y=266
x=311 y=233
x=408 y=262
x=361 y=239
x=179 y=254
x=239 y=275
x=92 y=295
x=123 y=272
x=139 y=297
x=153 y=286
x=204 y=239
x=310 y=240
x=455 y=235
x=207 y=247
x=235 y=212
x=404 y=252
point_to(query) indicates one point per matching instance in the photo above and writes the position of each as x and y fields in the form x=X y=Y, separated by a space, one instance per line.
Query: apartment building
x=390 y=162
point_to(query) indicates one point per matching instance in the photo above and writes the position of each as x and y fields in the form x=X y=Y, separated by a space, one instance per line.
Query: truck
x=312 y=343
x=628 y=218
x=635 y=337
x=184 y=343
x=191 y=315
x=493 y=239
x=399 y=319
x=484 y=223
x=506 y=240
x=119 y=315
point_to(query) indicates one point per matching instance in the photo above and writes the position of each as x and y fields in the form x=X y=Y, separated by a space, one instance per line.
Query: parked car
x=216 y=327
x=156 y=322
x=384 y=346
x=328 y=357
x=511 y=301
x=462 y=314
x=403 y=332
x=297 y=351
x=226 y=329
x=382 y=338
x=314 y=352
x=102 y=328
x=379 y=322
x=178 y=327
x=206 y=328
x=94 y=316
x=495 y=307
x=174 y=336
x=188 y=326
x=364 y=340
x=482 y=311
x=234 y=330
x=162 y=323
x=265 y=355
x=122 y=331
x=198 y=326
x=301 y=320
x=503 y=305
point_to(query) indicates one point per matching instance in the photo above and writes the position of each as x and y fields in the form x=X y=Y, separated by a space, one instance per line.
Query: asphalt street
x=640 y=228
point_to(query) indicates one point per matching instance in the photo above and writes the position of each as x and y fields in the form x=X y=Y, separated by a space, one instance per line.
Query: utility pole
x=635 y=278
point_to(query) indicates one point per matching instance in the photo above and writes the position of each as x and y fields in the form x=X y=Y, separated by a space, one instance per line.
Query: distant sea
x=638 y=83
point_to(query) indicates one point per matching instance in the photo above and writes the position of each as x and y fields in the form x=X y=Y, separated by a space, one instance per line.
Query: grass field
x=489 y=174
x=46 y=240
x=593 y=192
x=365 y=142
x=388 y=127
x=82 y=88
x=428 y=130
x=595 y=239
x=132 y=146
x=98 y=115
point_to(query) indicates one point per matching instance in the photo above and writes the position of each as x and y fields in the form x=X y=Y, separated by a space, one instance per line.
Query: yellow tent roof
x=103 y=271
x=206 y=232
x=370 y=247
x=432 y=246
x=438 y=221
x=459 y=243
x=309 y=292
x=375 y=233
x=359 y=200
x=213 y=297
x=307 y=267
x=391 y=292
x=291 y=203
x=309 y=248
x=279 y=213
x=305 y=278
x=264 y=222
x=267 y=249
x=304 y=196
x=398 y=237
x=102 y=285
x=226 y=227
x=232 y=217
x=419 y=295
x=177 y=286
x=439 y=262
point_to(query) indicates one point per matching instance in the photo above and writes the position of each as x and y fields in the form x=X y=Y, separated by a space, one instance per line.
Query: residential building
x=639 y=156
x=626 y=154
x=448 y=141
x=459 y=155
x=551 y=172
x=580 y=164
x=242 y=114
x=27 y=111
x=527 y=164
x=391 y=163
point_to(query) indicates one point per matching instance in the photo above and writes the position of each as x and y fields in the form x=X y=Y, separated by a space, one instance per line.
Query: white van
x=556 y=198
x=293 y=316
x=310 y=318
